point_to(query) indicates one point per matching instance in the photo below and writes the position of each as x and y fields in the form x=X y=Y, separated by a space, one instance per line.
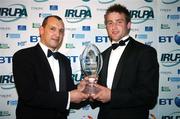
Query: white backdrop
x=155 y=23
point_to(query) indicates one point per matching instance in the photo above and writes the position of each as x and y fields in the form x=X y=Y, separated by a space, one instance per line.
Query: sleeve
x=144 y=82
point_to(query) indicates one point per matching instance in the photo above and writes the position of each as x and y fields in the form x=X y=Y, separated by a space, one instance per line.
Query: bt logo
x=100 y=39
x=177 y=100
x=73 y=59
x=164 y=39
x=170 y=101
x=34 y=39
x=5 y=59
x=165 y=101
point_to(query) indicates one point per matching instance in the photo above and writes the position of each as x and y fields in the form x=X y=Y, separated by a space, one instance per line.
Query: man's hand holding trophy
x=91 y=64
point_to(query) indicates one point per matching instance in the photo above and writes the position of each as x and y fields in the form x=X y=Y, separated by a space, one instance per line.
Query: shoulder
x=24 y=52
x=138 y=46
x=106 y=50
x=64 y=57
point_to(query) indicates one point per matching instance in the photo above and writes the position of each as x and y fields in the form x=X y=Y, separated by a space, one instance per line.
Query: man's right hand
x=76 y=96
x=82 y=85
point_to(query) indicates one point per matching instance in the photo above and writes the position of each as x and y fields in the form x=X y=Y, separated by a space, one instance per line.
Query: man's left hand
x=104 y=95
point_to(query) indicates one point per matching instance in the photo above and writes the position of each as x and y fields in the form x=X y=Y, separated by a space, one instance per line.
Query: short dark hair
x=46 y=19
x=120 y=9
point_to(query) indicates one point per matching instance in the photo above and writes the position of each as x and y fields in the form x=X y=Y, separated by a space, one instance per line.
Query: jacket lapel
x=62 y=74
x=45 y=67
x=103 y=73
x=120 y=66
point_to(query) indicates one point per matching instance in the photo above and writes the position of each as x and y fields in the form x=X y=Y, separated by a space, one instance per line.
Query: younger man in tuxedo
x=130 y=72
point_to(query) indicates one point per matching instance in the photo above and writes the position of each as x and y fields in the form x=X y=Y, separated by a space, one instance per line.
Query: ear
x=129 y=25
x=41 y=30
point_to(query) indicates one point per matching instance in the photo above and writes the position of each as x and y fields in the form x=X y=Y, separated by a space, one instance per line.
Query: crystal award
x=91 y=64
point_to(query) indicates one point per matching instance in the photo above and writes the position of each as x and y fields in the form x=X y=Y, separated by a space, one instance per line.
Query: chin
x=115 y=40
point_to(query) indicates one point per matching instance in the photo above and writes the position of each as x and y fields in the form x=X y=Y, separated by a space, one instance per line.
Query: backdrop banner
x=154 y=22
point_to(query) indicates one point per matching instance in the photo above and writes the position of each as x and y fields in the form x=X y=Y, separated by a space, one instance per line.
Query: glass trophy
x=91 y=64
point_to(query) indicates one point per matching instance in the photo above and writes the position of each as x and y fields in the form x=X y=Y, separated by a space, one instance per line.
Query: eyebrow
x=116 y=20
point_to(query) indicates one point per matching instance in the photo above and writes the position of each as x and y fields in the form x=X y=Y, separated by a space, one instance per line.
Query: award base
x=91 y=88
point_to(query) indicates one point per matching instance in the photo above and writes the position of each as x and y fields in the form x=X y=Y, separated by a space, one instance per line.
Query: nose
x=114 y=25
x=57 y=34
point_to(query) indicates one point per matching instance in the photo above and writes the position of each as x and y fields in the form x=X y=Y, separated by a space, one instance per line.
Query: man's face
x=116 y=26
x=52 y=34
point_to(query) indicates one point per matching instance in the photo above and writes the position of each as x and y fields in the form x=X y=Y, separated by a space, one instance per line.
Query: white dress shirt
x=115 y=56
x=54 y=64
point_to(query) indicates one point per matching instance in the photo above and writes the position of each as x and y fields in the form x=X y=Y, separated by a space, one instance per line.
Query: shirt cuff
x=68 y=103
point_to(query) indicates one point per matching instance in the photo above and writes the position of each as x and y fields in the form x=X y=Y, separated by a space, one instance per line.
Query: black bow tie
x=121 y=43
x=54 y=54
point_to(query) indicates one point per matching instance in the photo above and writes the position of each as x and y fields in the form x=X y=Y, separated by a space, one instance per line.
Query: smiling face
x=116 y=25
x=52 y=33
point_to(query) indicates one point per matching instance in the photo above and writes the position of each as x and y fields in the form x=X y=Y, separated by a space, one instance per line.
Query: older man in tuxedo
x=43 y=76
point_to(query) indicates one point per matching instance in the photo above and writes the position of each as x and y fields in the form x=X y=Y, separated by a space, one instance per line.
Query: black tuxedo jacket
x=34 y=81
x=135 y=84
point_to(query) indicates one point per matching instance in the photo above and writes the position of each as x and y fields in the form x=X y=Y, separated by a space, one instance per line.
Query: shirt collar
x=44 y=48
x=124 y=38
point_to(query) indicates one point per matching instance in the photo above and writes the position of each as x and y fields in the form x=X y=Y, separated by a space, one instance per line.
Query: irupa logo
x=40 y=0
x=106 y=1
x=78 y=14
x=169 y=1
x=171 y=58
x=77 y=76
x=174 y=115
x=7 y=81
x=12 y=12
x=142 y=14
